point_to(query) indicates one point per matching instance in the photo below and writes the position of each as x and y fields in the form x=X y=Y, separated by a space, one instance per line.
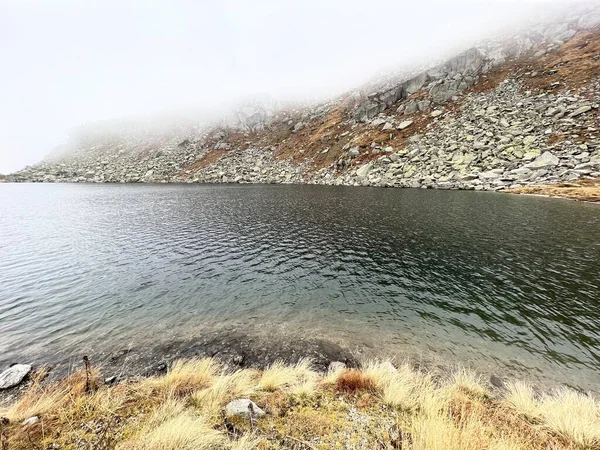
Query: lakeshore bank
x=203 y=404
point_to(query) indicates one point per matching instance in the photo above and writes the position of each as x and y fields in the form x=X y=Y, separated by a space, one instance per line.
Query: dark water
x=504 y=283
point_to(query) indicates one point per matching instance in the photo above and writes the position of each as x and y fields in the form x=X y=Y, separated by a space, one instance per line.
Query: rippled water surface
x=502 y=282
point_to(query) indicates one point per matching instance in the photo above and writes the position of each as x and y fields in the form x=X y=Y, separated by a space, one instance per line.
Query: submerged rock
x=14 y=375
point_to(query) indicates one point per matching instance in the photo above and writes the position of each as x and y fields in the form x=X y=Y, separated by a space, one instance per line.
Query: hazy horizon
x=67 y=64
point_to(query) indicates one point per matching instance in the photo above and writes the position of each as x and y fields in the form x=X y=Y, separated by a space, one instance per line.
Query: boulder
x=364 y=170
x=14 y=375
x=243 y=407
x=411 y=108
x=546 y=159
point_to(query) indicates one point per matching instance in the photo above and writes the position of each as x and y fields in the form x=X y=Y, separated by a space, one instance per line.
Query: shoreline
x=585 y=191
x=247 y=350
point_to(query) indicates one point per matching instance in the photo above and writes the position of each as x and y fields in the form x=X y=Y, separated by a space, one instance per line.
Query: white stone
x=243 y=407
x=14 y=375
x=405 y=124
x=336 y=366
x=31 y=420
x=364 y=170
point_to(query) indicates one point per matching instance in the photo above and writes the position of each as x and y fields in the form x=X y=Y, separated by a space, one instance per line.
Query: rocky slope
x=505 y=114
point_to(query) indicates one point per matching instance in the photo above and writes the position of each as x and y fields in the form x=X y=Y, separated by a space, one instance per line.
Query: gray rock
x=411 y=108
x=243 y=407
x=547 y=159
x=580 y=111
x=404 y=124
x=335 y=366
x=364 y=170
x=491 y=174
x=14 y=375
x=354 y=152
x=298 y=127
x=437 y=113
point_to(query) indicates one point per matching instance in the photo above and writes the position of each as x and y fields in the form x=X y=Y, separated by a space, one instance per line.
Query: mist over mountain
x=72 y=64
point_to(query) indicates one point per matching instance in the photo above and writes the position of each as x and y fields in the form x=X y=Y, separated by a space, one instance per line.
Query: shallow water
x=508 y=284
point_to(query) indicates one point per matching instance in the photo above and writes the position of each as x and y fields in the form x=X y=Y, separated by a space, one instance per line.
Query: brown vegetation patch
x=573 y=64
x=206 y=160
x=311 y=142
x=352 y=381
x=583 y=190
x=397 y=139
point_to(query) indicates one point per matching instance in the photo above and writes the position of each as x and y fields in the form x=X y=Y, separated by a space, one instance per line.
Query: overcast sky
x=64 y=63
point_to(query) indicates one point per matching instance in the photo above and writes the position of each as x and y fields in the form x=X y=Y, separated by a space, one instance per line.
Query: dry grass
x=279 y=375
x=583 y=190
x=468 y=382
x=211 y=400
x=381 y=407
x=520 y=396
x=572 y=415
x=181 y=432
x=186 y=376
x=353 y=381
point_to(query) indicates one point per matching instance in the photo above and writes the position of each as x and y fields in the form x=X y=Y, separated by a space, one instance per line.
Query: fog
x=65 y=63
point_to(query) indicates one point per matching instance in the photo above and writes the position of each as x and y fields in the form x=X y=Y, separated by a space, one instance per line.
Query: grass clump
x=185 y=377
x=572 y=415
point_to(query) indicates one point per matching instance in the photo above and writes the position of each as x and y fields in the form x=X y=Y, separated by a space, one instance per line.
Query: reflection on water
x=489 y=280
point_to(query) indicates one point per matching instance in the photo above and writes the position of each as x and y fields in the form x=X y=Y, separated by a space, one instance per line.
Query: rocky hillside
x=504 y=114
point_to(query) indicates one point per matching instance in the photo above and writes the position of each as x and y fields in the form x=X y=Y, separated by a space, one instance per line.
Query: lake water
x=506 y=284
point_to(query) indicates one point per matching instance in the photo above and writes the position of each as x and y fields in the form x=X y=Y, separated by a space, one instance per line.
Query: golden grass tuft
x=468 y=382
x=437 y=432
x=380 y=372
x=39 y=399
x=185 y=377
x=211 y=400
x=279 y=375
x=409 y=390
x=182 y=432
x=520 y=397
x=305 y=390
x=573 y=416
